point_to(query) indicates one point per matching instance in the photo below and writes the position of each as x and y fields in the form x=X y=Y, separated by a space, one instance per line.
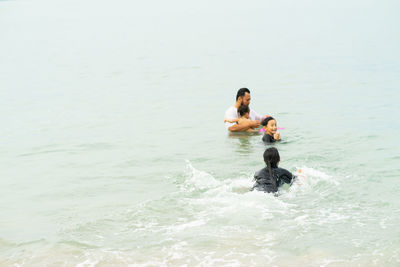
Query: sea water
x=113 y=149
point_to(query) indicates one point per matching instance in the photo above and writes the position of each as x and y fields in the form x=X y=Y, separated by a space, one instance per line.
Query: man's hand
x=231 y=120
x=277 y=136
x=255 y=124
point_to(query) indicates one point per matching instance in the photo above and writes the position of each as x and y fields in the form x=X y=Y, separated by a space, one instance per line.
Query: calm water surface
x=113 y=149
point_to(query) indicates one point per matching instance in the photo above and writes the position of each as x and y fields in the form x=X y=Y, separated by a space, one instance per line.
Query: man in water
x=242 y=98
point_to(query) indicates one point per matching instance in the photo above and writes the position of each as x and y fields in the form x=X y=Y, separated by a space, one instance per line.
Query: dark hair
x=266 y=120
x=242 y=92
x=271 y=158
x=243 y=110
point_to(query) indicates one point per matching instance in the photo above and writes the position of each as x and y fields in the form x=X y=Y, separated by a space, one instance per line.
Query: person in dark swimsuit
x=270 y=178
x=271 y=135
x=268 y=138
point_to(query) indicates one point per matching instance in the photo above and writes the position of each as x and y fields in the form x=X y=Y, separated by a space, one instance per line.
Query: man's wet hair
x=266 y=120
x=241 y=92
x=242 y=109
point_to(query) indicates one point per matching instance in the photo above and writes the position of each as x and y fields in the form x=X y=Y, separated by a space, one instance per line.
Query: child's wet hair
x=243 y=110
x=272 y=158
x=266 y=120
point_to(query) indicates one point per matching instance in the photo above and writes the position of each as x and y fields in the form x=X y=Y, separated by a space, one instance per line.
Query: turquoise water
x=114 y=150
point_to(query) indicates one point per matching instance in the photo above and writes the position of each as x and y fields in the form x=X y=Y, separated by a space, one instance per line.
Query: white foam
x=184 y=226
x=198 y=179
x=313 y=176
x=88 y=263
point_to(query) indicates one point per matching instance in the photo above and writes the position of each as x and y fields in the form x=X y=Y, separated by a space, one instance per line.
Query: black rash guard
x=268 y=138
x=265 y=183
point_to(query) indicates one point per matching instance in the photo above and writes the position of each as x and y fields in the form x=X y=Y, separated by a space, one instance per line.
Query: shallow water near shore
x=114 y=150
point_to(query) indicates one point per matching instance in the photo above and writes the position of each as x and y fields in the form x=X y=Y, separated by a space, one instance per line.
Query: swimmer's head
x=244 y=111
x=271 y=157
x=270 y=125
x=243 y=96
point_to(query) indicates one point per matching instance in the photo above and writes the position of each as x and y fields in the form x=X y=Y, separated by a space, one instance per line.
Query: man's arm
x=242 y=127
x=231 y=120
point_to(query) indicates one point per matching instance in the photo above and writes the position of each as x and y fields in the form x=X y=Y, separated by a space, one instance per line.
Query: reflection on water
x=239 y=135
x=245 y=141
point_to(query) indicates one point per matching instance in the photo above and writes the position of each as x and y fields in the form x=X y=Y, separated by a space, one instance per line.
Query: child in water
x=271 y=135
x=270 y=178
x=244 y=113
